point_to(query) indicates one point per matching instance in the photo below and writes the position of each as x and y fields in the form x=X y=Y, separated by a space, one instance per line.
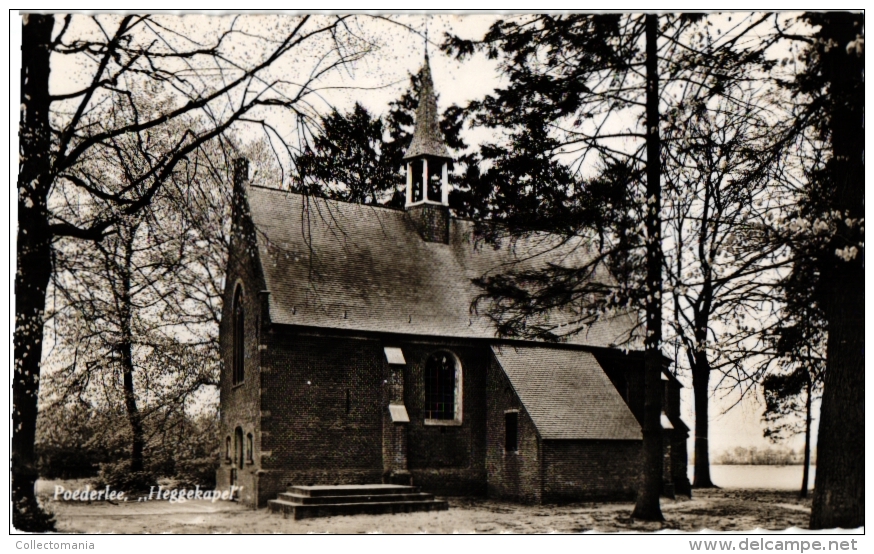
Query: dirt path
x=723 y=510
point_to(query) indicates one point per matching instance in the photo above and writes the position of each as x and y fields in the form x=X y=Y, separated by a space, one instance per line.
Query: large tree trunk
x=701 y=391
x=126 y=352
x=839 y=490
x=805 y=477
x=647 y=506
x=33 y=266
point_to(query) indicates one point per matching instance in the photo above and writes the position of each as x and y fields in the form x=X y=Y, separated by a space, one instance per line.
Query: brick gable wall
x=511 y=475
x=240 y=404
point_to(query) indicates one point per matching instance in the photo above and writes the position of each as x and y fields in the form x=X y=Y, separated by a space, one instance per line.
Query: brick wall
x=311 y=439
x=431 y=221
x=626 y=373
x=321 y=420
x=240 y=404
x=589 y=469
x=511 y=475
x=441 y=458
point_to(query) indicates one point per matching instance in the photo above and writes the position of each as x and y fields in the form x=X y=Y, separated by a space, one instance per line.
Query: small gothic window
x=511 y=431
x=228 y=449
x=250 y=448
x=238 y=335
x=238 y=446
x=442 y=376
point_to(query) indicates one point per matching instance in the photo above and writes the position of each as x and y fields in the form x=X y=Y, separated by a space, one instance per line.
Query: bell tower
x=427 y=165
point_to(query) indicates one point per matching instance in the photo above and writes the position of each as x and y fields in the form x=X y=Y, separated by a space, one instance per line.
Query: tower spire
x=427 y=138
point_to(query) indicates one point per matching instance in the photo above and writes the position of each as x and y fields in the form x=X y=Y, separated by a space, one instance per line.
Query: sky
x=381 y=77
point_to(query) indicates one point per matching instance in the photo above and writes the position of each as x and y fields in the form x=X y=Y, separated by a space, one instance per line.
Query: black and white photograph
x=438 y=273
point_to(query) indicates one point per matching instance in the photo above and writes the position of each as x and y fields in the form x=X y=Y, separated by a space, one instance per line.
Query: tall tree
x=588 y=78
x=647 y=506
x=223 y=77
x=795 y=356
x=721 y=268
x=830 y=109
x=839 y=491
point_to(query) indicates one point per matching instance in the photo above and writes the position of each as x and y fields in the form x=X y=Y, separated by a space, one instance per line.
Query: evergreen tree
x=358 y=156
x=583 y=78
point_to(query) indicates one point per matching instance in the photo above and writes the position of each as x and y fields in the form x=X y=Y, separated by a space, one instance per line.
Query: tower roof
x=427 y=138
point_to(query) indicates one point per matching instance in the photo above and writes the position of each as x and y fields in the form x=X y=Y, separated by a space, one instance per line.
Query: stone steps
x=329 y=500
x=312 y=500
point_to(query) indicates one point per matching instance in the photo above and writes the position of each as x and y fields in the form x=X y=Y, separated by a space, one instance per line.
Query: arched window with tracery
x=443 y=388
x=239 y=335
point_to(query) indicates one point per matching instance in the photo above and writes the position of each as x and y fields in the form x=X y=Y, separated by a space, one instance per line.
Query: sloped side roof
x=350 y=266
x=566 y=393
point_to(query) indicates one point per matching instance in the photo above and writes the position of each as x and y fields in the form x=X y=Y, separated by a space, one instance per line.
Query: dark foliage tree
x=223 y=78
x=350 y=161
x=788 y=396
x=358 y=156
x=828 y=234
x=839 y=491
x=794 y=368
x=578 y=77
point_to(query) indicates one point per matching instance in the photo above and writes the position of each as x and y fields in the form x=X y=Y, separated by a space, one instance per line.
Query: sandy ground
x=718 y=509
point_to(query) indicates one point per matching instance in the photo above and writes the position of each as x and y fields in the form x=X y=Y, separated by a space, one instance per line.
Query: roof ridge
x=326 y=199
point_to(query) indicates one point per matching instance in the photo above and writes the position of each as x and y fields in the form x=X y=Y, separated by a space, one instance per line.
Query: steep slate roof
x=348 y=266
x=427 y=138
x=566 y=393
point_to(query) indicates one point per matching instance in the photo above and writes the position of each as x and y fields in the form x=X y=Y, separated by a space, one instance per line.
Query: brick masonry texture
x=432 y=222
x=589 y=469
x=511 y=475
x=241 y=403
x=305 y=390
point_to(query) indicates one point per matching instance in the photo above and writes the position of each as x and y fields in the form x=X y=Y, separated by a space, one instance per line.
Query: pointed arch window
x=239 y=460
x=239 y=335
x=443 y=392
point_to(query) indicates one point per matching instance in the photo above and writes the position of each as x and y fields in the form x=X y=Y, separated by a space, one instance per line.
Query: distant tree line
x=770 y=456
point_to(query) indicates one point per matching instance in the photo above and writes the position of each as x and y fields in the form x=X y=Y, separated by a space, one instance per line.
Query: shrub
x=196 y=471
x=118 y=476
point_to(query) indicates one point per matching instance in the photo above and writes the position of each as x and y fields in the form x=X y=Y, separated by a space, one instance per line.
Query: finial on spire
x=426 y=38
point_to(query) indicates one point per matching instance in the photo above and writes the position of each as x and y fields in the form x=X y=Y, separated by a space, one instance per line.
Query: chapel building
x=351 y=355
